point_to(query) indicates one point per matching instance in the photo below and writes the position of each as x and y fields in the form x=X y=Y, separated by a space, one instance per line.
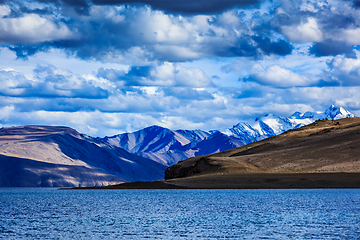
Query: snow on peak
x=271 y=125
x=296 y=115
x=276 y=123
x=309 y=115
x=334 y=113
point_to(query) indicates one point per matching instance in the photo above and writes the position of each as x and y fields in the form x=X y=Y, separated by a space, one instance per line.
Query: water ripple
x=38 y=213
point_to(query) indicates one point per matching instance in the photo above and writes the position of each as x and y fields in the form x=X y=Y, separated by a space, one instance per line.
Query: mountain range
x=169 y=147
x=324 y=154
x=55 y=156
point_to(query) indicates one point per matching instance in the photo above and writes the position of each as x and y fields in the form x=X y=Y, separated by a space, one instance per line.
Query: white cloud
x=308 y=31
x=343 y=70
x=32 y=29
x=345 y=65
x=5 y=112
x=170 y=74
x=324 y=96
x=192 y=78
x=157 y=35
x=48 y=81
x=350 y=36
x=309 y=7
x=159 y=27
x=4 y=10
x=278 y=77
x=164 y=71
x=230 y=18
x=177 y=53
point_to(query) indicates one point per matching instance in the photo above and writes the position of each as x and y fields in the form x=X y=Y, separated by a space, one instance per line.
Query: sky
x=106 y=67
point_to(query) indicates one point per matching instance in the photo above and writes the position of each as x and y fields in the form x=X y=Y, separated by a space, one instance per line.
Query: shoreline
x=249 y=181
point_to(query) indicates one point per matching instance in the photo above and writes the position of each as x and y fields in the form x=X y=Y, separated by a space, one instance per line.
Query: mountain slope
x=160 y=144
x=217 y=142
x=60 y=156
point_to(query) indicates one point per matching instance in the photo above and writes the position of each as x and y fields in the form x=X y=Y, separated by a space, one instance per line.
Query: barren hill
x=60 y=156
x=324 y=146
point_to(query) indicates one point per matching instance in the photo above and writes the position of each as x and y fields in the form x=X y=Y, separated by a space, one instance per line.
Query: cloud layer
x=110 y=66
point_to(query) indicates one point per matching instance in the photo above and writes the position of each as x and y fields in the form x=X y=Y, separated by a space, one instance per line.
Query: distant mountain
x=160 y=144
x=217 y=142
x=169 y=147
x=33 y=156
x=271 y=125
x=332 y=113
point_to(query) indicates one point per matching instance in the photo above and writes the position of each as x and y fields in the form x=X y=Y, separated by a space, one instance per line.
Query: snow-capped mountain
x=271 y=125
x=261 y=128
x=332 y=113
x=168 y=147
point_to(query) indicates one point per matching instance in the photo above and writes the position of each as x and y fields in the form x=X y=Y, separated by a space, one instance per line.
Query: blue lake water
x=48 y=213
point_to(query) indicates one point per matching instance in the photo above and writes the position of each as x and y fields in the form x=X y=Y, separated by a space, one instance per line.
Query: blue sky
x=113 y=66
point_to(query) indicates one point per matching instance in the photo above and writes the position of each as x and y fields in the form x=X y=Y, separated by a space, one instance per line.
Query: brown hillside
x=52 y=156
x=322 y=147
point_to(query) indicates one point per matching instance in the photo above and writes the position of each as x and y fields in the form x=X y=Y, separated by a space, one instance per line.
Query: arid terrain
x=325 y=154
x=54 y=156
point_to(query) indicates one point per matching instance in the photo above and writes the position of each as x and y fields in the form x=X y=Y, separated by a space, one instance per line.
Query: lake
x=48 y=213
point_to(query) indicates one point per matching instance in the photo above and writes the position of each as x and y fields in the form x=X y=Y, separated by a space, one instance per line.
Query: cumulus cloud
x=349 y=35
x=277 y=76
x=344 y=71
x=6 y=112
x=138 y=33
x=32 y=29
x=48 y=82
x=332 y=27
x=188 y=93
x=152 y=89
x=308 y=31
x=166 y=74
x=4 y=10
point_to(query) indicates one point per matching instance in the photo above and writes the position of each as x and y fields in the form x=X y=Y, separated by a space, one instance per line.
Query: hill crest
x=323 y=146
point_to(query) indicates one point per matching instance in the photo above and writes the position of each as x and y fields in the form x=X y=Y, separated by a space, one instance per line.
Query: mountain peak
x=155 y=127
x=335 y=113
x=296 y=115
